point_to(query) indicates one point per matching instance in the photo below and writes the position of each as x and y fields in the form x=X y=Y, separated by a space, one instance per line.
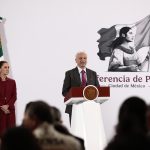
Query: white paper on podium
x=87 y=123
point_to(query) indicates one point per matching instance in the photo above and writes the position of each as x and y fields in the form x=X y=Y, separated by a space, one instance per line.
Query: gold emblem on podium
x=90 y=92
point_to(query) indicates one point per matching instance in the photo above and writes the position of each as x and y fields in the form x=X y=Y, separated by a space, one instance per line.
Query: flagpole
x=1 y=51
x=148 y=60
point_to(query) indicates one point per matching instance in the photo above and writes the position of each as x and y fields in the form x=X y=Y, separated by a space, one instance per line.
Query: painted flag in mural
x=142 y=36
x=1 y=50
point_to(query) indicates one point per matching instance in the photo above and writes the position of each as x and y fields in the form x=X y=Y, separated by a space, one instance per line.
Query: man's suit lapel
x=88 y=76
x=77 y=76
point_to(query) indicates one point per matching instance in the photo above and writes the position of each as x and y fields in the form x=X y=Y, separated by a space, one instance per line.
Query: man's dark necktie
x=83 y=78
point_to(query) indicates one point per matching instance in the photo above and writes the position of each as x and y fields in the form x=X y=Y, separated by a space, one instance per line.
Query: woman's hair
x=132 y=116
x=39 y=110
x=118 y=41
x=2 y=62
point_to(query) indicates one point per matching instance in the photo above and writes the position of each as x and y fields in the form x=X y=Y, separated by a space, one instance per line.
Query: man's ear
x=35 y=122
x=123 y=35
x=75 y=59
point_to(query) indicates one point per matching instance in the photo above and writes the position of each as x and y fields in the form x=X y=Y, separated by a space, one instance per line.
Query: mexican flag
x=107 y=35
x=1 y=50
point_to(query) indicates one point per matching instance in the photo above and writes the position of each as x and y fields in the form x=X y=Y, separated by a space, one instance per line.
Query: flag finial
x=1 y=19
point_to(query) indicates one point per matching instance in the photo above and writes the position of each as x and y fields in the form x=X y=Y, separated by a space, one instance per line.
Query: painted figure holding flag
x=124 y=57
x=123 y=42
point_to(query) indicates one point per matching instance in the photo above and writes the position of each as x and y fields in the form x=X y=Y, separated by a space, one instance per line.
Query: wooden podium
x=87 y=121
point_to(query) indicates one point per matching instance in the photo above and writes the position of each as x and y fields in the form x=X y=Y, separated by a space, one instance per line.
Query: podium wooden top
x=104 y=91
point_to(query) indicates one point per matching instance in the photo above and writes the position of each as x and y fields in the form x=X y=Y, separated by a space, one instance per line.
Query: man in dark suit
x=73 y=77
